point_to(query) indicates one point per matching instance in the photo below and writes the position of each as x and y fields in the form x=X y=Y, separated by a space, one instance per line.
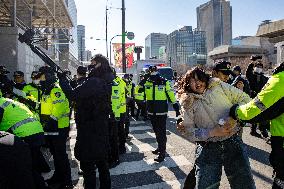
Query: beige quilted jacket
x=202 y=112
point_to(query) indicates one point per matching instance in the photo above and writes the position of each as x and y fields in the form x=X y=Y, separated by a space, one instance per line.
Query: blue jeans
x=212 y=156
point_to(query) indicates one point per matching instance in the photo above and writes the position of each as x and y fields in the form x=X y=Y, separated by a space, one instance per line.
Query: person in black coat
x=15 y=163
x=257 y=80
x=93 y=104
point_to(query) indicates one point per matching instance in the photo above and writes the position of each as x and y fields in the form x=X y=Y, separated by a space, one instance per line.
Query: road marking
x=144 y=136
x=139 y=128
x=149 y=165
x=143 y=147
x=175 y=184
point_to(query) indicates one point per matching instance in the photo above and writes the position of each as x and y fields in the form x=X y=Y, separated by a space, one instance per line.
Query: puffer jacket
x=202 y=112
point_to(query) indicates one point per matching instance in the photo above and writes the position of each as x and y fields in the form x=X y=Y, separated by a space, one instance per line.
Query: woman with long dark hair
x=205 y=104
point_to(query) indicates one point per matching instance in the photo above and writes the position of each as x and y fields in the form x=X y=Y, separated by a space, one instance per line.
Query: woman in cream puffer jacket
x=202 y=112
x=204 y=102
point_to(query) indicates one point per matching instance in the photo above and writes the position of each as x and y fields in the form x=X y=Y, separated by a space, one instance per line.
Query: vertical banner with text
x=117 y=51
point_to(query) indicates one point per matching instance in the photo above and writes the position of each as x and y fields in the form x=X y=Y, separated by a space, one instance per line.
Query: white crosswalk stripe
x=139 y=164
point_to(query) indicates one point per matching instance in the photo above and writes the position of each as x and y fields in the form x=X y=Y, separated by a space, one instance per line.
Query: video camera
x=255 y=57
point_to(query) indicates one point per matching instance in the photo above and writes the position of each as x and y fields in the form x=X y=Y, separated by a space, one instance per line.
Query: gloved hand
x=62 y=75
x=176 y=108
x=233 y=111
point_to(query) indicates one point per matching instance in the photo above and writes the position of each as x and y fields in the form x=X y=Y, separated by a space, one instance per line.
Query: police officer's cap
x=3 y=70
x=153 y=68
x=224 y=67
x=237 y=68
x=18 y=74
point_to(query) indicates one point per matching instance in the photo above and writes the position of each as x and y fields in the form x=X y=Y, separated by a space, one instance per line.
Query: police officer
x=222 y=70
x=55 y=118
x=114 y=123
x=269 y=105
x=129 y=100
x=17 y=119
x=33 y=88
x=15 y=163
x=93 y=102
x=19 y=80
x=6 y=85
x=158 y=93
x=140 y=101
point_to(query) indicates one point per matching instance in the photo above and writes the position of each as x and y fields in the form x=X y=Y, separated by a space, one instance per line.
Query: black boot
x=156 y=152
x=160 y=158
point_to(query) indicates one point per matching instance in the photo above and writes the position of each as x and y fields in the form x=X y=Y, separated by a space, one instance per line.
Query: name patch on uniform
x=57 y=94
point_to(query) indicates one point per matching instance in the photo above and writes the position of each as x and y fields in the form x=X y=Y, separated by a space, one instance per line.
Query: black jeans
x=89 y=174
x=159 y=123
x=277 y=160
x=141 y=109
x=57 y=146
x=113 y=140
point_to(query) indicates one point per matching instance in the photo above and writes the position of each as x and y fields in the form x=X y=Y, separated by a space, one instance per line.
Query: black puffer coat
x=93 y=102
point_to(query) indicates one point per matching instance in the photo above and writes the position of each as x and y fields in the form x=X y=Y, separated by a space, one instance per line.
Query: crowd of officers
x=38 y=114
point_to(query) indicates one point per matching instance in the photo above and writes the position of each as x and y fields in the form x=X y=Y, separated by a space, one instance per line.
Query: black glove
x=51 y=125
x=233 y=111
x=176 y=108
x=62 y=75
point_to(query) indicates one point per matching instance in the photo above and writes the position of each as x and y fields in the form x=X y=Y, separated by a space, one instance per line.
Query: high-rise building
x=153 y=42
x=186 y=46
x=68 y=46
x=81 y=42
x=88 y=55
x=215 y=18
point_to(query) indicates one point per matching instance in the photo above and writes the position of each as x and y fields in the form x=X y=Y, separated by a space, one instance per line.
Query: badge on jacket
x=57 y=94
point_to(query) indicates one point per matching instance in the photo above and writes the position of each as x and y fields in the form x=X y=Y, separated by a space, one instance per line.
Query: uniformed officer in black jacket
x=93 y=102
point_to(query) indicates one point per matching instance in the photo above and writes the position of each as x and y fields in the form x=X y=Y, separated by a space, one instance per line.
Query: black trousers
x=277 y=160
x=15 y=163
x=121 y=133
x=159 y=123
x=89 y=174
x=141 y=109
x=114 y=148
x=57 y=146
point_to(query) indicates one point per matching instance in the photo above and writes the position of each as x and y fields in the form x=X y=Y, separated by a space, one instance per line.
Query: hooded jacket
x=202 y=112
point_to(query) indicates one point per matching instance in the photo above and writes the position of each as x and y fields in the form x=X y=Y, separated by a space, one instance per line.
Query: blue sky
x=146 y=16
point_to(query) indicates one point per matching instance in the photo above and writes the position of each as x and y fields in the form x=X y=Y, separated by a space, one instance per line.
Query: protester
x=205 y=106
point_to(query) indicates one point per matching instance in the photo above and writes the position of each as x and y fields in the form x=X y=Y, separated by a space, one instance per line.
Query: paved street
x=139 y=171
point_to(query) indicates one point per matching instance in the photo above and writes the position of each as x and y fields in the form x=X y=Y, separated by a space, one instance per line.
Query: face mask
x=36 y=82
x=257 y=70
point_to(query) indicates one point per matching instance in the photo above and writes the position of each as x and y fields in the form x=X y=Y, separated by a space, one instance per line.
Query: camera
x=255 y=57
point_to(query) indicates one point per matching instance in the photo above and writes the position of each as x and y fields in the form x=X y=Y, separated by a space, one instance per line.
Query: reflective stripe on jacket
x=18 y=119
x=56 y=105
x=272 y=92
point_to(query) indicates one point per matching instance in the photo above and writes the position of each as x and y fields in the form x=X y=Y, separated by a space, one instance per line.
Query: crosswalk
x=137 y=169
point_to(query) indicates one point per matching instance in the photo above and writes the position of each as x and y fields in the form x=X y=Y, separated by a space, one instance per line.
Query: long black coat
x=93 y=102
x=256 y=81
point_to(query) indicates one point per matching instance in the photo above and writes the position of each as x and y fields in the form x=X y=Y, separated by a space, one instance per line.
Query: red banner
x=117 y=51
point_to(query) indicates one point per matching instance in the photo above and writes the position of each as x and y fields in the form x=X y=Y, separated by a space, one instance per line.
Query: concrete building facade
x=215 y=18
x=153 y=42
x=186 y=46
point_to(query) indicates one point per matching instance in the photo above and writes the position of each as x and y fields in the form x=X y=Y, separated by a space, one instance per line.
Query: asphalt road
x=138 y=170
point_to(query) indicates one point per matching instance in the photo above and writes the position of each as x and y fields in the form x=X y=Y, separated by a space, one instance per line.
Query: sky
x=164 y=16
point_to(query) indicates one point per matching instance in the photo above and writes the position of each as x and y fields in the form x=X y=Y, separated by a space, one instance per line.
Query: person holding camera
x=257 y=80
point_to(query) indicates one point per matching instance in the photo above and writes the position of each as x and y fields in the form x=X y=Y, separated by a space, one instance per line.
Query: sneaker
x=160 y=159
x=156 y=152
x=255 y=134
x=114 y=164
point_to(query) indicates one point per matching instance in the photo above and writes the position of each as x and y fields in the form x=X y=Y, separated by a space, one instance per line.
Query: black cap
x=224 y=67
x=237 y=68
x=82 y=70
x=18 y=73
x=3 y=70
